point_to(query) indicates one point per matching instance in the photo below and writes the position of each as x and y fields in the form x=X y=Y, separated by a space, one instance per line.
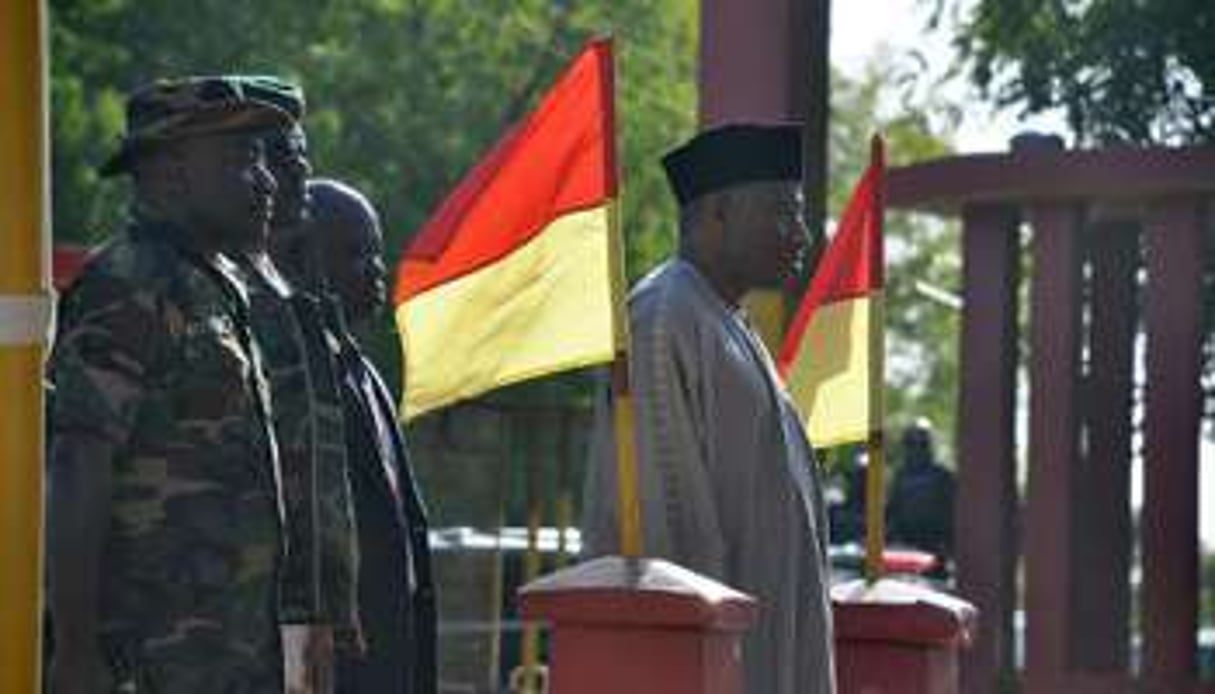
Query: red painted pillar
x=898 y=638
x=986 y=501
x=747 y=66
x=1174 y=240
x=642 y=626
x=1101 y=591
x=1053 y=442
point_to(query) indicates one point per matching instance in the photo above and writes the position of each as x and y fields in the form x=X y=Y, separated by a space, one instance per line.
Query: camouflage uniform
x=154 y=353
x=317 y=581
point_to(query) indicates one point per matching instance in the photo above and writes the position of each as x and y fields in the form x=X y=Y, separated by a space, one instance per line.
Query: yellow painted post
x=24 y=304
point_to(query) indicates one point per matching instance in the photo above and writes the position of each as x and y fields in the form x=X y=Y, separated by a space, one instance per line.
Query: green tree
x=1123 y=70
x=404 y=95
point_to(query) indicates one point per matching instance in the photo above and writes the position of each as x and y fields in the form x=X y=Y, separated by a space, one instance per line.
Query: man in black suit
x=339 y=255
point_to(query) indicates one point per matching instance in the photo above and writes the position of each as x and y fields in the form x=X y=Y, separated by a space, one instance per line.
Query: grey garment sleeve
x=600 y=522
x=822 y=522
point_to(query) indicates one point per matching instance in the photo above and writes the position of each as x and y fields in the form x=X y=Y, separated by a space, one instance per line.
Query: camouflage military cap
x=174 y=109
x=275 y=91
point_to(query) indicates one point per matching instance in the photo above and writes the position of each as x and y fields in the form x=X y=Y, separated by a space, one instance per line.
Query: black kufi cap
x=732 y=155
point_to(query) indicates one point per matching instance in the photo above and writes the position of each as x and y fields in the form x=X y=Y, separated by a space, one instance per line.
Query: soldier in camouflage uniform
x=163 y=509
x=317 y=581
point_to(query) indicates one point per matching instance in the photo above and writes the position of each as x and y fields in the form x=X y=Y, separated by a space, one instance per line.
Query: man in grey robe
x=729 y=484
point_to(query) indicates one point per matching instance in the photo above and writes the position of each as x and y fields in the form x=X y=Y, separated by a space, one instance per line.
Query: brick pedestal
x=640 y=626
x=899 y=638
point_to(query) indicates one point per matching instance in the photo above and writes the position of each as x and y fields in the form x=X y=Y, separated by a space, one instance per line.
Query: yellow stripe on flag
x=544 y=308
x=831 y=378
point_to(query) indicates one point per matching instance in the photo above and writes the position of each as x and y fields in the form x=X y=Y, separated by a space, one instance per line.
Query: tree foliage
x=1123 y=70
x=404 y=95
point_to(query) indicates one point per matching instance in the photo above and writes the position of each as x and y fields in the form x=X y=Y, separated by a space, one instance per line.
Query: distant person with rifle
x=920 y=510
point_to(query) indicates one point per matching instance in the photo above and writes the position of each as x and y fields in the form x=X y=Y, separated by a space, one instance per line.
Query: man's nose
x=376 y=269
x=263 y=180
x=301 y=167
x=794 y=231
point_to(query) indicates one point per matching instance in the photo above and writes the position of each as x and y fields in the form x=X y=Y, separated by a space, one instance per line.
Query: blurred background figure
x=919 y=512
x=846 y=498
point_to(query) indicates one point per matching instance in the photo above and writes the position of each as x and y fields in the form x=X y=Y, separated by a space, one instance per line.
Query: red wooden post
x=1053 y=442
x=642 y=626
x=986 y=501
x=898 y=638
x=1174 y=240
x=747 y=71
x=1101 y=593
x=1073 y=647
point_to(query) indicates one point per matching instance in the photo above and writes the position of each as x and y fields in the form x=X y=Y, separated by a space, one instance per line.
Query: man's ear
x=163 y=174
x=173 y=168
x=718 y=206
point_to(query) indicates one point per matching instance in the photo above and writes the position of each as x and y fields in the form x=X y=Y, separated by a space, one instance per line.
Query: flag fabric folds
x=832 y=356
x=511 y=278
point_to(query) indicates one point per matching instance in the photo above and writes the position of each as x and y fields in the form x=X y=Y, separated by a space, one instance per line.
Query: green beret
x=272 y=90
x=175 y=109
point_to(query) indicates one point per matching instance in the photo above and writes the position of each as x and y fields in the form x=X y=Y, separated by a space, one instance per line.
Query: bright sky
x=861 y=29
x=864 y=29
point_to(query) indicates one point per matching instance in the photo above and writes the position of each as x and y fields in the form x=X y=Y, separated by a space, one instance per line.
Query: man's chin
x=771 y=283
x=371 y=308
x=251 y=235
x=290 y=218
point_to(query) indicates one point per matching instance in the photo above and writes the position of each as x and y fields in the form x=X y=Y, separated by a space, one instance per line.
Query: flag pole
x=565 y=498
x=628 y=485
x=529 y=676
x=875 y=506
x=875 y=477
x=627 y=480
x=497 y=574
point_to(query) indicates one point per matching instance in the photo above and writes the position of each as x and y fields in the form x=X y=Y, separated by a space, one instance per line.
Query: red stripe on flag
x=560 y=159
x=852 y=265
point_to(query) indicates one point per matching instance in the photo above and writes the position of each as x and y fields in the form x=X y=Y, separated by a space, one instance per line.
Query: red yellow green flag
x=831 y=358
x=511 y=278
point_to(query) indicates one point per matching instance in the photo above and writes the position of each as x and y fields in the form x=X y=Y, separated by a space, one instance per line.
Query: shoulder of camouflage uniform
x=141 y=271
